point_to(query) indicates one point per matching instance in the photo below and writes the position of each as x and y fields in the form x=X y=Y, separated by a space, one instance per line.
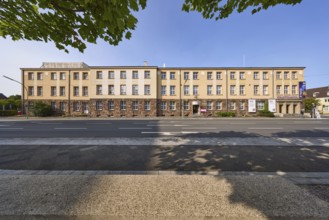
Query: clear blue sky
x=280 y=36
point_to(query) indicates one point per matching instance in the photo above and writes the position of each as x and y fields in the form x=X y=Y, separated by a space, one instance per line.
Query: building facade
x=151 y=91
x=321 y=94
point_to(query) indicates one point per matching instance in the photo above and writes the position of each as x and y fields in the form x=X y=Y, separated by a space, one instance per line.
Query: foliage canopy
x=75 y=22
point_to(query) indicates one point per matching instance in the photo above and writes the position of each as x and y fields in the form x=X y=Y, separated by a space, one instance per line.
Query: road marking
x=11 y=128
x=265 y=128
x=204 y=128
x=322 y=128
x=70 y=128
x=133 y=128
x=169 y=133
x=167 y=125
x=102 y=123
x=4 y=125
x=40 y=123
x=242 y=123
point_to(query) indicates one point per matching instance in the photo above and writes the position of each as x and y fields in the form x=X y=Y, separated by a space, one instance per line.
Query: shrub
x=265 y=113
x=41 y=109
x=8 y=113
x=225 y=114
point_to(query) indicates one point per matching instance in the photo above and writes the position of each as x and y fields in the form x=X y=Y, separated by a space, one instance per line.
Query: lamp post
x=27 y=96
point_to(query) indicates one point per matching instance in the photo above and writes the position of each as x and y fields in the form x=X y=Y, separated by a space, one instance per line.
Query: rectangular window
x=111 y=74
x=31 y=76
x=135 y=105
x=278 y=90
x=85 y=76
x=123 y=105
x=76 y=106
x=62 y=91
x=186 y=75
x=172 y=90
x=186 y=105
x=53 y=76
x=232 y=75
x=39 y=76
x=135 y=74
x=195 y=90
x=195 y=75
x=285 y=75
x=53 y=91
x=147 y=105
x=111 y=89
x=99 y=90
x=209 y=90
x=99 y=105
x=99 y=75
x=62 y=106
x=256 y=76
x=278 y=75
x=147 y=90
x=123 y=90
x=186 y=90
x=163 y=90
x=241 y=75
x=209 y=75
x=53 y=106
x=76 y=91
x=232 y=105
x=62 y=76
x=218 y=105
x=163 y=105
x=76 y=76
x=172 y=105
x=31 y=90
x=232 y=89
x=85 y=107
x=265 y=90
x=163 y=75
x=260 y=105
x=147 y=74
x=256 y=90
x=219 y=75
x=294 y=89
x=85 y=91
x=241 y=106
x=111 y=105
x=123 y=75
x=135 y=89
x=265 y=75
x=209 y=105
x=218 y=89
x=294 y=75
x=172 y=75
x=39 y=91
x=286 y=90
x=242 y=90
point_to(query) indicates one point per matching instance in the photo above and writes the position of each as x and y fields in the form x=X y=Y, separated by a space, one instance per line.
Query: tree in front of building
x=74 y=23
x=308 y=104
x=41 y=109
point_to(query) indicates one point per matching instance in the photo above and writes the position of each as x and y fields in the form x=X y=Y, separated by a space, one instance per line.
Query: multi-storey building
x=321 y=94
x=143 y=91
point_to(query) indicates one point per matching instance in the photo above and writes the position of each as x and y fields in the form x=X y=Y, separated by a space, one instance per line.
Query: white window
x=209 y=105
x=123 y=90
x=232 y=89
x=62 y=106
x=147 y=89
x=278 y=75
x=186 y=90
x=99 y=90
x=209 y=75
x=53 y=91
x=111 y=75
x=84 y=76
x=219 y=75
x=285 y=75
x=278 y=90
x=209 y=90
x=135 y=74
x=241 y=75
x=294 y=89
x=195 y=90
x=218 y=105
x=123 y=105
x=256 y=89
x=123 y=75
x=76 y=76
x=195 y=75
x=99 y=105
x=186 y=75
x=294 y=75
x=172 y=75
x=111 y=89
x=39 y=76
x=232 y=105
x=85 y=107
x=53 y=106
x=76 y=106
x=265 y=90
x=135 y=105
x=53 y=76
x=260 y=105
x=256 y=75
x=62 y=91
x=147 y=105
x=62 y=76
x=147 y=74
x=163 y=105
x=172 y=105
x=39 y=91
x=218 y=89
x=111 y=105
x=172 y=90
x=85 y=91
x=163 y=75
x=76 y=91
x=286 y=90
x=163 y=90
x=31 y=76
x=242 y=90
x=31 y=90
x=99 y=75
x=135 y=89
x=241 y=105
x=186 y=105
x=232 y=75
x=265 y=75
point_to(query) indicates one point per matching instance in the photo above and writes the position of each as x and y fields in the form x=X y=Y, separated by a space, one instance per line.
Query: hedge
x=265 y=113
x=225 y=114
x=8 y=113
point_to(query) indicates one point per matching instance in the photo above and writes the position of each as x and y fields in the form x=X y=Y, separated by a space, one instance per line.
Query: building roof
x=320 y=92
x=2 y=96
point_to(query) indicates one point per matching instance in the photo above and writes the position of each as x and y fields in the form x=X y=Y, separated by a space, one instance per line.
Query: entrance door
x=287 y=109
x=280 y=108
x=195 y=109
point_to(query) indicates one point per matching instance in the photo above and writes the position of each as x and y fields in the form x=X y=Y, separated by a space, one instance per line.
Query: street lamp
x=27 y=96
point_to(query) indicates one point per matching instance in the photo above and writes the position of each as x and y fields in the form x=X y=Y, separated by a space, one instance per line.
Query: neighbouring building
x=2 y=96
x=150 y=91
x=321 y=94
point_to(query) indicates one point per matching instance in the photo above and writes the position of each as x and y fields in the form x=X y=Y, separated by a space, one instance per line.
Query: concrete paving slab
x=150 y=196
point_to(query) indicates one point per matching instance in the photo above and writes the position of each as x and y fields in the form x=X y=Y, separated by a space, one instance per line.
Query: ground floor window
x=172 y=105
x=76 y=106
x=99 y=105
x=111 y=105
x=135 y=105
x=163 y=105
x=53 y=106
x=241 y=105
x=123 y=105
x=209 y=105
x=232 y=105
x=218 y=105
x=326 y=108
x=85 y=107
x=147 y=105
x=260 y=105
x=186 y=105
x=62 y=106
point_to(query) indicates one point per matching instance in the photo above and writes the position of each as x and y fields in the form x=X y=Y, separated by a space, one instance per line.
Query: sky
x=281 y=36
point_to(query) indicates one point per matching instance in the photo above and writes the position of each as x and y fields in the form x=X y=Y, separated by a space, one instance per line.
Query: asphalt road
x=157 y=128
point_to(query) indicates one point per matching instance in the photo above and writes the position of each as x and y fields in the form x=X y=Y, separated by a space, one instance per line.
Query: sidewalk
x=157 y=196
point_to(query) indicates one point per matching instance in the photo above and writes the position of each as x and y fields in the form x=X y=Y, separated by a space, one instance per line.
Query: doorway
x=195 y=109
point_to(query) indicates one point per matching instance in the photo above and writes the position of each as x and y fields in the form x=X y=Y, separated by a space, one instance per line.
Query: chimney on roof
x=146 y=63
